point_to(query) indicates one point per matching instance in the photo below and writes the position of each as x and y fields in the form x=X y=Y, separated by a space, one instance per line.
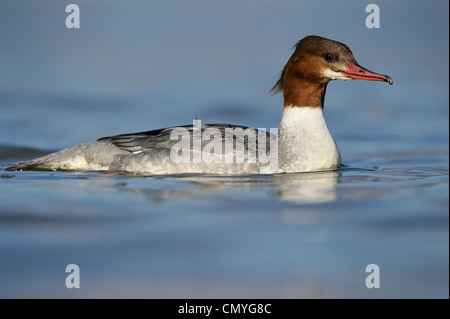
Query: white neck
x=305 y=143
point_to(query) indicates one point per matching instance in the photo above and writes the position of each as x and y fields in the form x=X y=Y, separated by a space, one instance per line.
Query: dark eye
x=328 y=57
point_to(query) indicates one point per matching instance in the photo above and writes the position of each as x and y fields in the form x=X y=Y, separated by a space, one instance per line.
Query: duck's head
x=315 y=62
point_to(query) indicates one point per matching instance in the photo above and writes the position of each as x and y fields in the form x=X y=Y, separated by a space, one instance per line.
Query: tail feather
x=82 y=157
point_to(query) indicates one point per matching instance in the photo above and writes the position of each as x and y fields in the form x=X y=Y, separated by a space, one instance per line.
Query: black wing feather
x=144 y=141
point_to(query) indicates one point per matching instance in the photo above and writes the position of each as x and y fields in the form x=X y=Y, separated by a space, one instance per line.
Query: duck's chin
x=333 y=75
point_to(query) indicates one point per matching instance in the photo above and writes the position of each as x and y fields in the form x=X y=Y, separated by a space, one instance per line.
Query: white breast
x=305 y=143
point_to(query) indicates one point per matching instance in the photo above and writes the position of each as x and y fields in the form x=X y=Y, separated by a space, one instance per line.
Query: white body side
x=305 y=143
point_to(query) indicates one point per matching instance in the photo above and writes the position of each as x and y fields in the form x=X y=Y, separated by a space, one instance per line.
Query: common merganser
x=303 y=144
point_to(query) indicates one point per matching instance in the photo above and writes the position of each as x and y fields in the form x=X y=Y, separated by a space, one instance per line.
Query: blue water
x=141 y=66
